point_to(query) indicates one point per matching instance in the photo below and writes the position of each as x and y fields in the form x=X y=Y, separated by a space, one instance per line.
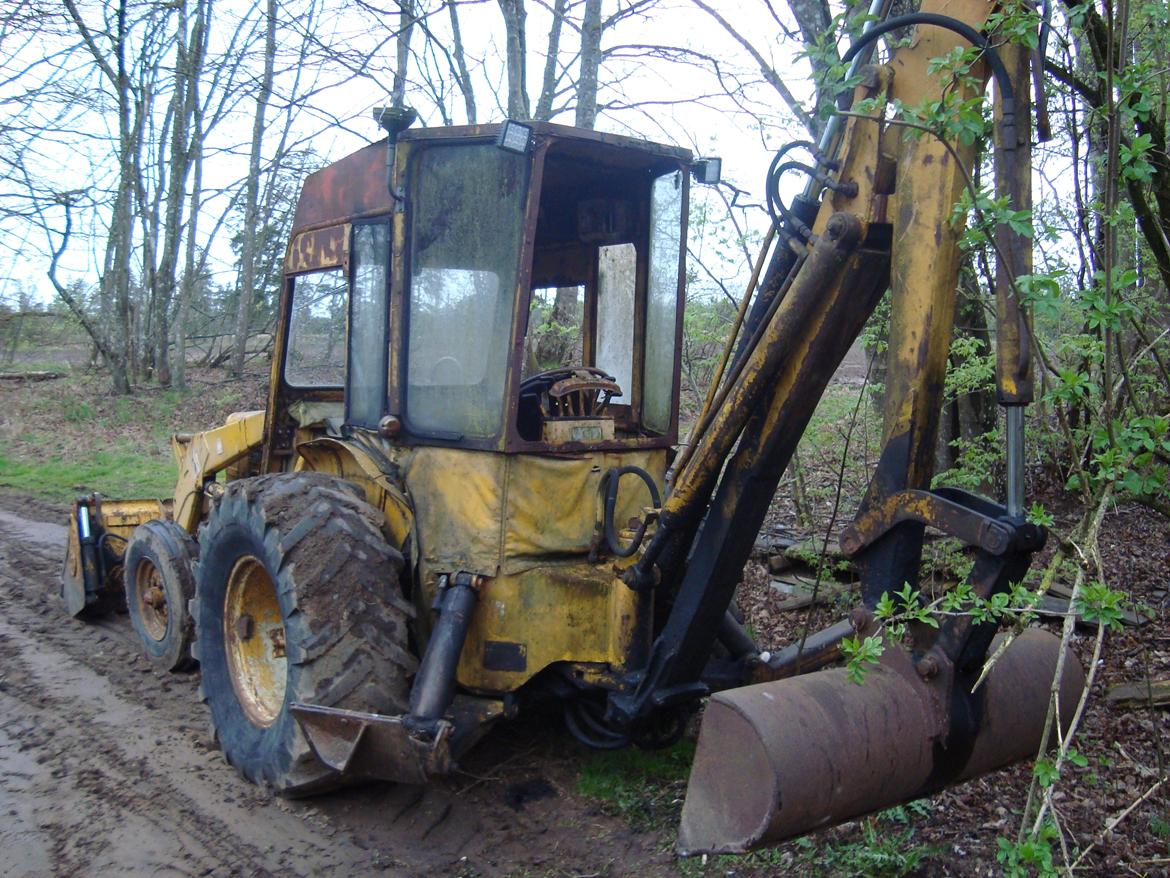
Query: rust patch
x=317 y=249
x=352 y=187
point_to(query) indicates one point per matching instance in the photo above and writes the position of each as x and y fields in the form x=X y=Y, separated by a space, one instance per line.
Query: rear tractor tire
x=157 y=570
x=297 y=601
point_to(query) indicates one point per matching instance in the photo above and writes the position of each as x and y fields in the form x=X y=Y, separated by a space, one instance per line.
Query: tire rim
x=253 y=634
x=151 y=600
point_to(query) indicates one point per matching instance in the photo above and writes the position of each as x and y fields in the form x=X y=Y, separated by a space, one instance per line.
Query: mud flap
x=780 y=759
x=370 y=745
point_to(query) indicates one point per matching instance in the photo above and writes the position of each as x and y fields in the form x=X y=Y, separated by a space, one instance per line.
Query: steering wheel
x=570 y=392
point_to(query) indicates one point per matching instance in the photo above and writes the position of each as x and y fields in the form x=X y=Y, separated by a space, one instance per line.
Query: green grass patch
x=886 y=849
x=78 y=412
x=643 y=787
x=36 y=366
x=118 y=474
x=882 y=847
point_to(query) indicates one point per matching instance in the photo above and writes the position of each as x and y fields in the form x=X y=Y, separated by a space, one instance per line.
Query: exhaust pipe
x=784 y=758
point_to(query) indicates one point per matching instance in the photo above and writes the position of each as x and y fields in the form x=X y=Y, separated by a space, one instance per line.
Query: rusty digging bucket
x=780 y=759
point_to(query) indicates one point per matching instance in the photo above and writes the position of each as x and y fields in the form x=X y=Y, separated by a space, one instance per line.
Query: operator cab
x=520 y=290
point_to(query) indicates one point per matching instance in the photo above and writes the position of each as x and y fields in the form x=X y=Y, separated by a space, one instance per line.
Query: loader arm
x=201 y=455
x=99 y=529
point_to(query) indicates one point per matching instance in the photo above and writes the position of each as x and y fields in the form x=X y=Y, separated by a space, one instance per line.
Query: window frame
x=634 y=397
x=291 y=282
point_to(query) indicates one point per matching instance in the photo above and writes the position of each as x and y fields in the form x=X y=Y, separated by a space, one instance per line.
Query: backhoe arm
x=885 y=218
x=884 y=221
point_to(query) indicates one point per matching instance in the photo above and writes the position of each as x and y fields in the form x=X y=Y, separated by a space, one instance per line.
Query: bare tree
x=251 y=197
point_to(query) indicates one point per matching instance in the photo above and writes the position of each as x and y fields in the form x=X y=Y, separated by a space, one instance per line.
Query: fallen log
x=30 y=376
x=1141 y=694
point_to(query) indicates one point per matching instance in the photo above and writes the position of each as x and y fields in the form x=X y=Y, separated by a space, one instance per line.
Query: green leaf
x=1046 y=772
x=1038 y=515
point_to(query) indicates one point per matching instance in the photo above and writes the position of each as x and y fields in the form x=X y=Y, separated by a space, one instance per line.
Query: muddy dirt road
x=106 y=768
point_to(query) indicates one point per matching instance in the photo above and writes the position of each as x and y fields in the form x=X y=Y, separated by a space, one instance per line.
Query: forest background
x=151 y=154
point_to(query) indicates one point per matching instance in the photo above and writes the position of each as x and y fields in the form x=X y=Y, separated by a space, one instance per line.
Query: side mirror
x=707 y=171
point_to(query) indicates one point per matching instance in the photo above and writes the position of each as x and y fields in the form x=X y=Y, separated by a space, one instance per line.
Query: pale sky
x=84 y=161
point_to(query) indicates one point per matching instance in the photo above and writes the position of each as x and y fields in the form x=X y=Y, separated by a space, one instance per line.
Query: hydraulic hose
x=611 y=481
x=974 y=37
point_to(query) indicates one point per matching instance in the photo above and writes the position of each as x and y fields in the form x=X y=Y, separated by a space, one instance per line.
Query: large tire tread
x=346 y=623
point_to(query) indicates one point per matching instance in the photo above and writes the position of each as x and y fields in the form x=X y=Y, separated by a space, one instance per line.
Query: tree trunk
x=462 y=73
x=194 y=157
x=248 y=251
x=548 y=83
x=590 y=61
x=178 y=165
x=402 y=53
x=515 y=51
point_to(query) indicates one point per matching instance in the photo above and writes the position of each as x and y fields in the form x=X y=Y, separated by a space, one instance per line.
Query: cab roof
x=354 y=187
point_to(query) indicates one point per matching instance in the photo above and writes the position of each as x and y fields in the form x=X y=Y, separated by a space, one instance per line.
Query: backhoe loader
x=454 y=506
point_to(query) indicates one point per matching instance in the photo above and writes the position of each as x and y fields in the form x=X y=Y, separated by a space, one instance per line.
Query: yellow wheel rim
x=151 y=599
x=253 y=634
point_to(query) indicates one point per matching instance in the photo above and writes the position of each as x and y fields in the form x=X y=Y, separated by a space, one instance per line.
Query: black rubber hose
x=598 y=739
x=772 y=179
x=434 y=685
x=612 y=480
x=974 y=37
x=963 y=29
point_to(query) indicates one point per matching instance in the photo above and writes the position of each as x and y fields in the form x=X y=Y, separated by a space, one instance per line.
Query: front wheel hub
x=152 y=601
x=254 y=637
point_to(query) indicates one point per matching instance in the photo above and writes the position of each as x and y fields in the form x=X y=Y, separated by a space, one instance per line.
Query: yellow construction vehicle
x=447 y=512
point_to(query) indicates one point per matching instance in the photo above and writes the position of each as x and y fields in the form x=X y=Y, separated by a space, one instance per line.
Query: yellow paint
x=569 y=612
x=318 y=249
x=526 y=522
x=119 y=518
x=202 y=455
x=351 y=461
x=253 y=636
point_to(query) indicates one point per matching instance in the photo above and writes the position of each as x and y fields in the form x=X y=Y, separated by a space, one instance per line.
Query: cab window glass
x=662 y=299
x=315 y=354
x=365 y=394
x=466 y=231
x=617 y=276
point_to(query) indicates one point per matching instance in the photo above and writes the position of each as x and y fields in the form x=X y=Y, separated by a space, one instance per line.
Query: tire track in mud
x=149 y=792
x=121 y=789
x=106 y=767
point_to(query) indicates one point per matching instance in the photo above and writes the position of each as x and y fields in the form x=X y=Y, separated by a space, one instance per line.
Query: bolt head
x=927 y=667
x=245 y=627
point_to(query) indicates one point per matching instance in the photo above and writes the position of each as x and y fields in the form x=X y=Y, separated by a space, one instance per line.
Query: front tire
x=160 y=581
x=297 y=601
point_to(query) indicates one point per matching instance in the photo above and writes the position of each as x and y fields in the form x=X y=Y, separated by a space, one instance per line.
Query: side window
x=662 y=299
x=617 y=277
x=365 y=395
x=315 y=355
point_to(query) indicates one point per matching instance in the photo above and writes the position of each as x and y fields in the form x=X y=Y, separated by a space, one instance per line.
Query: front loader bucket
x=780 y=759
